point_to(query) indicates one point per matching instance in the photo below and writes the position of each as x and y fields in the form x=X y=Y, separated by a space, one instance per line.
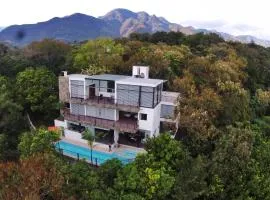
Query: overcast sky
x=232 y=16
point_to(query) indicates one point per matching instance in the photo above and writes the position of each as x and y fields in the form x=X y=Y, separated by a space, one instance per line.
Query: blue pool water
x=125 y=156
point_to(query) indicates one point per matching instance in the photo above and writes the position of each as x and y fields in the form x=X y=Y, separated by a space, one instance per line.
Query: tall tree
x=37 y=92
x=11 y=120
x=98 y=56
x=37 y=177
x=89 y=136
x=50 y=53
x=232 y=157
x=38 y=141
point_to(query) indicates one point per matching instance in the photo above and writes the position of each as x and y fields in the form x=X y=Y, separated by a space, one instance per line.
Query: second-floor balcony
x=123 y=125
x=108 y=102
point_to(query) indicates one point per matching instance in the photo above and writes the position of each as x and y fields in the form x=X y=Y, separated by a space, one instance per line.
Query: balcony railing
x=108 y=102
x=123 y=125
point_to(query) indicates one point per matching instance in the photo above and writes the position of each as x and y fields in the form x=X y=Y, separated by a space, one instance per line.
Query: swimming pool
x=98 y=157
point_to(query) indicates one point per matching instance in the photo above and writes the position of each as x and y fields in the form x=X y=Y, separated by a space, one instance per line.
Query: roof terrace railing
x=111 y=102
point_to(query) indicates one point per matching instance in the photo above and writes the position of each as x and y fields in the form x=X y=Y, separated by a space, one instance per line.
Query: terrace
x=100 y=152
x=107 y=102
x=122 y=125
x=99 y=91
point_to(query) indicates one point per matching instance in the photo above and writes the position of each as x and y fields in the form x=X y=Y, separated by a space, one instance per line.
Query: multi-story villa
x=123 y=106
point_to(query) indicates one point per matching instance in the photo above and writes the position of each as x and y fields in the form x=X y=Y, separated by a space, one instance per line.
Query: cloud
x=241 y=29
x=205 y=24
x=231 y=28
x=244 y=27
x=220 y=24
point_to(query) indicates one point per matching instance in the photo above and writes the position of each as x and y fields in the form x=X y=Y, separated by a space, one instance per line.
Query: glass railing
x=109 y=101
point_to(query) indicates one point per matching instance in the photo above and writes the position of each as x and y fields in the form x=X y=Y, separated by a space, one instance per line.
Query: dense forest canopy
x=222 y=147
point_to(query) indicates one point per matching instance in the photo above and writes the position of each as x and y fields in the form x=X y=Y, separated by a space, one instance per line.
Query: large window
x=147 y=97
x=128 y=94
x=142 y=96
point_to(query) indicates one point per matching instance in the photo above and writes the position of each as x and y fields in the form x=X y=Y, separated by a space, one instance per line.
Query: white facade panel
x=153 y=120
x=156 y=121
x=59 y=123
x=74 y=136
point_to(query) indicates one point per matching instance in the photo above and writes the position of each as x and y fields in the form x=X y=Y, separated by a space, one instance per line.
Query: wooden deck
x=122 y=125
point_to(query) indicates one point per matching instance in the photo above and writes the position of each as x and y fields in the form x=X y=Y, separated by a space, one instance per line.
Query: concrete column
x=116 y=137
x=157 y=131
x=84 y=89
x=151 y=134
x=65 y=124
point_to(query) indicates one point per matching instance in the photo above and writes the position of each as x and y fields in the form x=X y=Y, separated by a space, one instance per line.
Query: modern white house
x=135 y=106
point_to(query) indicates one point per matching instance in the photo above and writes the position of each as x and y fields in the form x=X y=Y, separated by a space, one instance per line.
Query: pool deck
x=104 y=147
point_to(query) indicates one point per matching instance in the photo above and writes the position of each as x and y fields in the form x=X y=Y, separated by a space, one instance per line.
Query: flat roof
x=81 y=76
x=141 y=81
x=108 y=77
x=121 y=79
x=171 y=94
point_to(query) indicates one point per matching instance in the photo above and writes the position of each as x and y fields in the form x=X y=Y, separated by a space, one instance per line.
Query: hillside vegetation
x=222 y=148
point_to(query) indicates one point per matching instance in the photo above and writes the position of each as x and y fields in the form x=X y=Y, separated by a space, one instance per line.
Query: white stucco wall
x=156 y=121
x=153 y=120
x=59 y=123
x=75 y=136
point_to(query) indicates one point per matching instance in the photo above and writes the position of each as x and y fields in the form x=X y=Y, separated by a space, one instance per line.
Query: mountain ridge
x=116 y=23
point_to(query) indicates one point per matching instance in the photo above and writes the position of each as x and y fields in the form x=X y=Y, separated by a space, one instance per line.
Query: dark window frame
x=143 y=116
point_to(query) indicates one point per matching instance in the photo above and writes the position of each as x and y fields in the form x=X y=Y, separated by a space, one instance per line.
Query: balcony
x=126 y=125
x=122 y=125
x=108 y=102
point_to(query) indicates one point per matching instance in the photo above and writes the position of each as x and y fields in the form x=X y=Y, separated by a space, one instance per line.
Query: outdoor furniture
x=127 y=115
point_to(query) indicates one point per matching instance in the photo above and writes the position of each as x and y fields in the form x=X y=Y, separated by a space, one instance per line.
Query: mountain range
x=116 y=23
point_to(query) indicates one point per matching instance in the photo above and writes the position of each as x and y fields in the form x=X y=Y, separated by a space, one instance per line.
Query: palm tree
x=89 y=136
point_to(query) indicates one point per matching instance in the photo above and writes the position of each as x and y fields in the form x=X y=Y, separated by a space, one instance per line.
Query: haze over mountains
x=116 y=23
